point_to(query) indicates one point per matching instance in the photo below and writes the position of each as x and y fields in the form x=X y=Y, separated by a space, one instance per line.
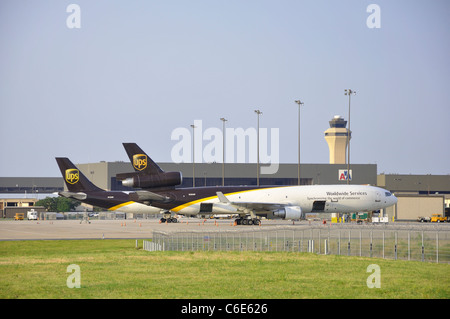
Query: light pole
x=223 y=150
x=193 y=155
x=258 y=113
x=300 y=103
x=348 y=92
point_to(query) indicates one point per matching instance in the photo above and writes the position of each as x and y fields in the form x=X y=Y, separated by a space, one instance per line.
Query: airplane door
x=318 y=206
x=378 y=197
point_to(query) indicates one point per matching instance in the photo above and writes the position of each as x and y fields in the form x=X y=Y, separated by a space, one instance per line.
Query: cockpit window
x=387 y=194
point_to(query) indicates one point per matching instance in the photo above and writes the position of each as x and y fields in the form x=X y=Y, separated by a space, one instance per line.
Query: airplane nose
x=394 y=200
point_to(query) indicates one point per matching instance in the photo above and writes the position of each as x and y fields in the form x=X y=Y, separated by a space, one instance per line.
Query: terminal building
x=419 y=195
x=210 y=174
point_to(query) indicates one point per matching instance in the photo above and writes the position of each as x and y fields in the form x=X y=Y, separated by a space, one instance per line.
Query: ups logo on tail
x=72 y=176
x=140 y=161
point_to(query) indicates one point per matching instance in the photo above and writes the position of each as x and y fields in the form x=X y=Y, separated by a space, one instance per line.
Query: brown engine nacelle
x=156 y=180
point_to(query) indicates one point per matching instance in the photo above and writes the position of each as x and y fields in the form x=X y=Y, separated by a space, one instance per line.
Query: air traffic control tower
x=336 y=137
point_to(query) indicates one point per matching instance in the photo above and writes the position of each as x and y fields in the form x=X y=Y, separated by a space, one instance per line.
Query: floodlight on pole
x=223 y=149
x=258 y=113
x=193 y=154
x=300 y=103
x=348 y=92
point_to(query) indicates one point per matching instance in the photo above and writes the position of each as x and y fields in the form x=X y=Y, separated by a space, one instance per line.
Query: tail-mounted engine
x=136 y=180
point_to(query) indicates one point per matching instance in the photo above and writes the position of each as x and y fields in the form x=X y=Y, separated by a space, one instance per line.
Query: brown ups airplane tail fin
x=140 y=160
x=74 y=178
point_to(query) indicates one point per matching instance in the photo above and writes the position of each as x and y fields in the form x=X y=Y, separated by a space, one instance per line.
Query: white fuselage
x=314 y=198
x=137 y=208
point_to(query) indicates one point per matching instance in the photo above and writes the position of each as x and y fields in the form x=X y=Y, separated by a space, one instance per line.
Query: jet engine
x=154 y=180
x=289 y=212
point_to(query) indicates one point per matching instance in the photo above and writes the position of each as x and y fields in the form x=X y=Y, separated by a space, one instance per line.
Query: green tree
x=49 y=203
x=58 y=204
x=66 y=204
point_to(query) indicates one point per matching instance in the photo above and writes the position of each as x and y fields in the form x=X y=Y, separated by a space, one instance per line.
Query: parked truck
x=32 y=215
x=438 y=218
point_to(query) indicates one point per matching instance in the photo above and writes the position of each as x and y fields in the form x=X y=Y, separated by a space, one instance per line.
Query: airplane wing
x=257 y=206
x=284 y=210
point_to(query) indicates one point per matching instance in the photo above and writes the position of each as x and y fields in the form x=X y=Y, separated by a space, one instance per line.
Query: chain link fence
x=364 y=241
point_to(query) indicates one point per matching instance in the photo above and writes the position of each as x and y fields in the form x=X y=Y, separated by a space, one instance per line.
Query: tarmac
x=143 y=228
x=117 y=229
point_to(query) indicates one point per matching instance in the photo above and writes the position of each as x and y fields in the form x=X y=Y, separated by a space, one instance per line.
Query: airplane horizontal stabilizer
x=79 y=195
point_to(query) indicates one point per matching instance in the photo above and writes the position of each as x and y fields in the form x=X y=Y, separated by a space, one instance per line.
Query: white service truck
x=32 y=215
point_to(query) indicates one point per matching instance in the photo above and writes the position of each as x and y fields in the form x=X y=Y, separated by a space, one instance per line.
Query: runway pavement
x=143 y=228
x=108 y=229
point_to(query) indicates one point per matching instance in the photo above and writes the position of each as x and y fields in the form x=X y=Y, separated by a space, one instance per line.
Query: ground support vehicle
x=438 y=218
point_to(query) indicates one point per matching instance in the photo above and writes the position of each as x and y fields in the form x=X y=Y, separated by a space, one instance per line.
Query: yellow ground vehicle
x=437 y=218
x=19 y=216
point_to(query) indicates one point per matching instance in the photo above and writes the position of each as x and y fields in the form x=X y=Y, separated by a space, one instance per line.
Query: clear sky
x=137 y=70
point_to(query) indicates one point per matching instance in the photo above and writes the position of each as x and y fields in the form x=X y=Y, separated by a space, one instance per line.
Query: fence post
x=311 y=246
x=319 y=241
x=395 y=246
x=301 y=241
x=409 y=245
x=276 y=241
x=437 y=247
x=348 y=245
x=423 y=249
x=339 y=243
x=293 y=240
x=328 y=235
x=360 y=243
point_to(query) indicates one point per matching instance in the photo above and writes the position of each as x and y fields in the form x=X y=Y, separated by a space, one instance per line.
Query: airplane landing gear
x=248 y=221
x=169 y=220
x=167 y=217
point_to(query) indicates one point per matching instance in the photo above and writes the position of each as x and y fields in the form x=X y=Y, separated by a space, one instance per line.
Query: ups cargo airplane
x=249 y=202
x=158 y=194
x=80 y=188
